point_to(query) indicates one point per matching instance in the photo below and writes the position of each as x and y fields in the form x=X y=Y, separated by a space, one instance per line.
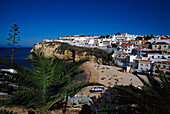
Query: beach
x=108 y=76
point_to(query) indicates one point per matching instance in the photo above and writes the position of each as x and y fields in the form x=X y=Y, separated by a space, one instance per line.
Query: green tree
x=118 y=33
x=14 y=32
x=152 y=35
x=50 y=81
x=107 y=36
x=102 y=36
x=147 y=37
x=153 y=97
x=139 y=38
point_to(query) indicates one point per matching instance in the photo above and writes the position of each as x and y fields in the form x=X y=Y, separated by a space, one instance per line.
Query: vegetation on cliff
x=98 y=53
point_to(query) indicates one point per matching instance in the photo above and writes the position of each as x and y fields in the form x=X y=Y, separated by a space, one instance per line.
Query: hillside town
x=133 y=53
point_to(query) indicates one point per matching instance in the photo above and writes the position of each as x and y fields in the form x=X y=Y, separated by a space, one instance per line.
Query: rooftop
x=160 y=43
x=164 y=62
x=126 y=44
x=165 y=38
x=145 y=60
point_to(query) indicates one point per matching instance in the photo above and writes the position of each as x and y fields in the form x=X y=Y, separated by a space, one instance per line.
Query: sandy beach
x=108 y=76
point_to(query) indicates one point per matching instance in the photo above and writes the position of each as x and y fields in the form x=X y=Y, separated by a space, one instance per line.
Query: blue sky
x=40 y=19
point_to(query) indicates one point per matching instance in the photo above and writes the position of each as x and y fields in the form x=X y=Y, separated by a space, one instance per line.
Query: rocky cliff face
x=70 y=53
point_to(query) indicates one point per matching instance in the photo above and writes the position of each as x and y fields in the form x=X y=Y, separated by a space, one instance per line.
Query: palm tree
x=50 y=81
x=153 y=97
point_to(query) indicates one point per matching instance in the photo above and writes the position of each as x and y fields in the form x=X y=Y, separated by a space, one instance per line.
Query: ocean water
x=19 y=55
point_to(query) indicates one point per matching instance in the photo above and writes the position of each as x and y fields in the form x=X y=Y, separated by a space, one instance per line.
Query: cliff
x=72 y=53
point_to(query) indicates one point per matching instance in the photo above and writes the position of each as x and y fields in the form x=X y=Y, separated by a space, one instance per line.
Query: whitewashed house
x=163 y=66
x=145 y=65
x=120 y=59
x=160 y=46
x=126 y=47
x=154 y=39
x=165 y=39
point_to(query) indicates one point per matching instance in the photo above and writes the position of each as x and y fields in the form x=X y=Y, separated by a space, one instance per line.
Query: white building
x=154 y=39
x=163 y=66
x=167 y=40
x=126 y=47
x=160 y=46
x=145 y=65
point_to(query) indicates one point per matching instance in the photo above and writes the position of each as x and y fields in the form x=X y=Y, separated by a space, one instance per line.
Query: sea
x=20 y=55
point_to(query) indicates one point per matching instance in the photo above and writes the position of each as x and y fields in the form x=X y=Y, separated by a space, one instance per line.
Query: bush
x=106 y=103
x=98 y=53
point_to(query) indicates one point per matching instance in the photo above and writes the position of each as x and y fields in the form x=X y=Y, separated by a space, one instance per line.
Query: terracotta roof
x=106 y=41
x=164 y=62
x=126 y=44
x=126 y=53
x=109 y=45
x=165 y=38
x=160 y=43
x=145 y=60
x=138 y=48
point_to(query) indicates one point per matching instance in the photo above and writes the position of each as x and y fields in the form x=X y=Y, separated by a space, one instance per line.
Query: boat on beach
x=97 y=89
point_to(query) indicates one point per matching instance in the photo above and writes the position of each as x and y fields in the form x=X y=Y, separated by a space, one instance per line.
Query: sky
x=42 y=19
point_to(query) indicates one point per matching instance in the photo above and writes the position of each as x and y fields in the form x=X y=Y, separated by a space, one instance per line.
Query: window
x=156 y=71
x=167 y=73
x=163 y=57
x=155 y=46
x=164 y=66
x=141 y=64
x=165 y=46
x=158 y=56
x=159 y=47
x=146 y=65
x=153 y=57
